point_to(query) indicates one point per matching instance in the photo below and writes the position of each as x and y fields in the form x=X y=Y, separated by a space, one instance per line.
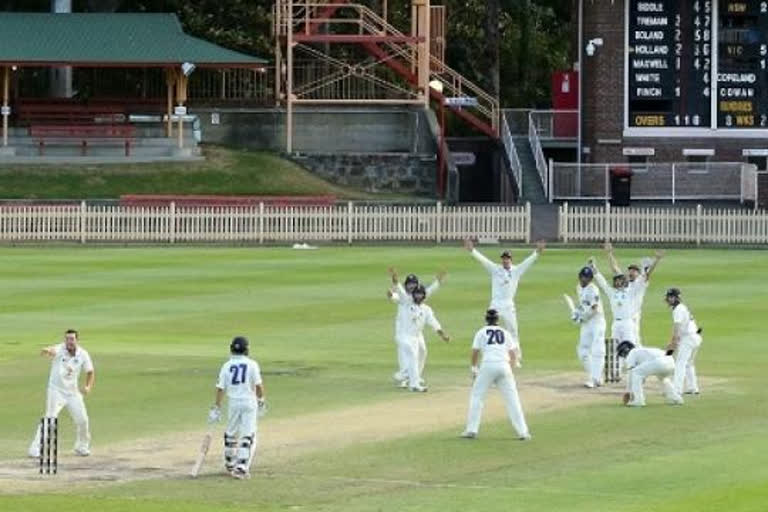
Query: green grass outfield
x=157 y=322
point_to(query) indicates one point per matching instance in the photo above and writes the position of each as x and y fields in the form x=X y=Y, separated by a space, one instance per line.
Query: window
x=639 y=163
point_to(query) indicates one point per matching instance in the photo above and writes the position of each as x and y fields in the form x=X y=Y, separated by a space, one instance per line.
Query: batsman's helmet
x=239 y=346
x=624 y=347
x=673 y=292
x=586 y=272
x=492 y=317
x=411 y=278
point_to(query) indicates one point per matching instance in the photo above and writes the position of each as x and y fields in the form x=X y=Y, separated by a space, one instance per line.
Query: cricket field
x=339 y=435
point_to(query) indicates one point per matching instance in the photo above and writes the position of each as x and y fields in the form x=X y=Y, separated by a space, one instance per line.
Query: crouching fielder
x=685 y=343
x=68 y=359
x=499 y=351
x=644 y=362
x=240 y=379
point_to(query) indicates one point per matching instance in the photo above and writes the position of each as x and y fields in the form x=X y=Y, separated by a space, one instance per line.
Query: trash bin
x=621 y=186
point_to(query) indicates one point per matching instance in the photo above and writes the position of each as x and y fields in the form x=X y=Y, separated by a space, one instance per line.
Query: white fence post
x=172 y=222
x=698 y=224
x=607 y=221
x=674 y=178
x=528 y=222
x=83 y=221
x=261 y=222
x=563 y=222
x=438 y=221
x=550 y=175
x=349 y=222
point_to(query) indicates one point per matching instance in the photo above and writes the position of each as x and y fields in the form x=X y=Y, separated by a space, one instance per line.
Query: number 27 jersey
x=238 y=377
x=495 y=344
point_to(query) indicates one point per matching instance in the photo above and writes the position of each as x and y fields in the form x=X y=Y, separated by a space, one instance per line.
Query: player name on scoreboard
x=689 y=59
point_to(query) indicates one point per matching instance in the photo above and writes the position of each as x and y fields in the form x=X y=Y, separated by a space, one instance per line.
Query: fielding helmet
x=624 y=347
x=586 y=272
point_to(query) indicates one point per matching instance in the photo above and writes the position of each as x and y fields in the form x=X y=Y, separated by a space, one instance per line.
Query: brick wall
x=603 y=98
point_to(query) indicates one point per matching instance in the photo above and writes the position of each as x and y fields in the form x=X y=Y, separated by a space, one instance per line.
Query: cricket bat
x=569 y=302
x=201 y=456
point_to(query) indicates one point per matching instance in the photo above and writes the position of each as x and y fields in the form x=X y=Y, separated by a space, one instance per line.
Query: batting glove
x=214 y=415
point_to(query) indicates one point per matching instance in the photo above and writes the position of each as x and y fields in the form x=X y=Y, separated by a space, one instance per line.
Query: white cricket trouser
x=240 y=436
x=637 y=320
x=591 y=349
x=55 y=401
x=685 y=364
x=663 y=368
x=414 y=358
x=623 y=330
x=403 y=353
x=508 y=317
x=501 y=375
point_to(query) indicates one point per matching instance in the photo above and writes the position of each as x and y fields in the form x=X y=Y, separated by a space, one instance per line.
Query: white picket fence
x=263 y=223
x=662 y=225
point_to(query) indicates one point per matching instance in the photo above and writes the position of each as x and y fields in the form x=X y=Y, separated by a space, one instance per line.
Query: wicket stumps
x=49 y=445
x=612 y=369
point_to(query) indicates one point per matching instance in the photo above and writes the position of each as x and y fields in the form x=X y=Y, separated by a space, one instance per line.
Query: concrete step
x=75 y=141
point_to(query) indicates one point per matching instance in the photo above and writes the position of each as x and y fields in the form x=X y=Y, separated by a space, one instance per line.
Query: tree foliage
x=533 y=35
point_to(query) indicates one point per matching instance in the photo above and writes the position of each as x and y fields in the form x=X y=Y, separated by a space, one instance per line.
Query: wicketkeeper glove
x=214 y=414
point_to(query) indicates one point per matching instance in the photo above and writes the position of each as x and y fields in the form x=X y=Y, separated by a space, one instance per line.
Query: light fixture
x=593 y=45
x=187 y=68
x=437 y=85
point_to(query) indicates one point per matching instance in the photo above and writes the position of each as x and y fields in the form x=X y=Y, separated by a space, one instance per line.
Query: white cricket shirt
x=622 y=299
x=66 y=368
x=494 y=343
x=504 y=281
x=417 y=316
x=682 y=316
x=238 y=377
x=589 y=298
x=638 y=287
x=404 y=300
x=638 y=356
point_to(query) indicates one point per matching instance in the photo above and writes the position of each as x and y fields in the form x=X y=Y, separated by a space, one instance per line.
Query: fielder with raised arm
x=622 y=300
x=240 y=379
x=644 y=362
x=402 y=296
x=684 y=343
x=499 y=350
x=418 y=315
x=504 y=280
x=68 y=359
x=639 y=279
x=590 y=317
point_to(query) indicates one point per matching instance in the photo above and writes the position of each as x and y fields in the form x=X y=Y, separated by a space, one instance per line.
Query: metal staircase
x=301 y=23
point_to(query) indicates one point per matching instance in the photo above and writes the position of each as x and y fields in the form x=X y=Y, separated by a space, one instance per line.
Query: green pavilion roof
x=108 y=39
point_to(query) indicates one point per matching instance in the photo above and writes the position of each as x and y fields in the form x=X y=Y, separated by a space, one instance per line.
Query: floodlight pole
x=289 y=81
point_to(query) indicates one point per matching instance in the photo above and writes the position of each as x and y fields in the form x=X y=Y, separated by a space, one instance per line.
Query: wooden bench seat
x=85 y=133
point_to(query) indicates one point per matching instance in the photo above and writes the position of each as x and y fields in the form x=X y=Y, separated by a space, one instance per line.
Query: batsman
x=240 y=379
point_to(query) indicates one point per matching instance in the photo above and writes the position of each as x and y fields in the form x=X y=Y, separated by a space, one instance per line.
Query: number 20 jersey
x=495 y=344
x=237 y=378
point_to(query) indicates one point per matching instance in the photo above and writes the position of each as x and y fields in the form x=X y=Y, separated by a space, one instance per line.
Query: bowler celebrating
x=504 y=281
x=68 y=359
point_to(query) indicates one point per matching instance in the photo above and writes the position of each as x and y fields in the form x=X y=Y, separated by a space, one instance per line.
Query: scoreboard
x=695 y=66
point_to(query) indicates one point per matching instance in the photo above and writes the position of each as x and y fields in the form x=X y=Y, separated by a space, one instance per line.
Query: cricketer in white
x=685 y=343
x=504 y=281
x=499 y=349
x=622 y=299
x=639 y=279
x=401 y=295
x=68 y=359
x=240 y=379
x=643 y=362
x=590 y=316
x=416 y=316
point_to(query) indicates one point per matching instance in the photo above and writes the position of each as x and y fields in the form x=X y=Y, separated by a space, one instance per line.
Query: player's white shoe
x=403 y=384
x=397 y=376
x=468 y=435
x=240 y=474
x=589 y=384
x=692 y=392
x=82 y=452
x=525 y=437
x=419 y=389
x=33 y=454
x=635 y=404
